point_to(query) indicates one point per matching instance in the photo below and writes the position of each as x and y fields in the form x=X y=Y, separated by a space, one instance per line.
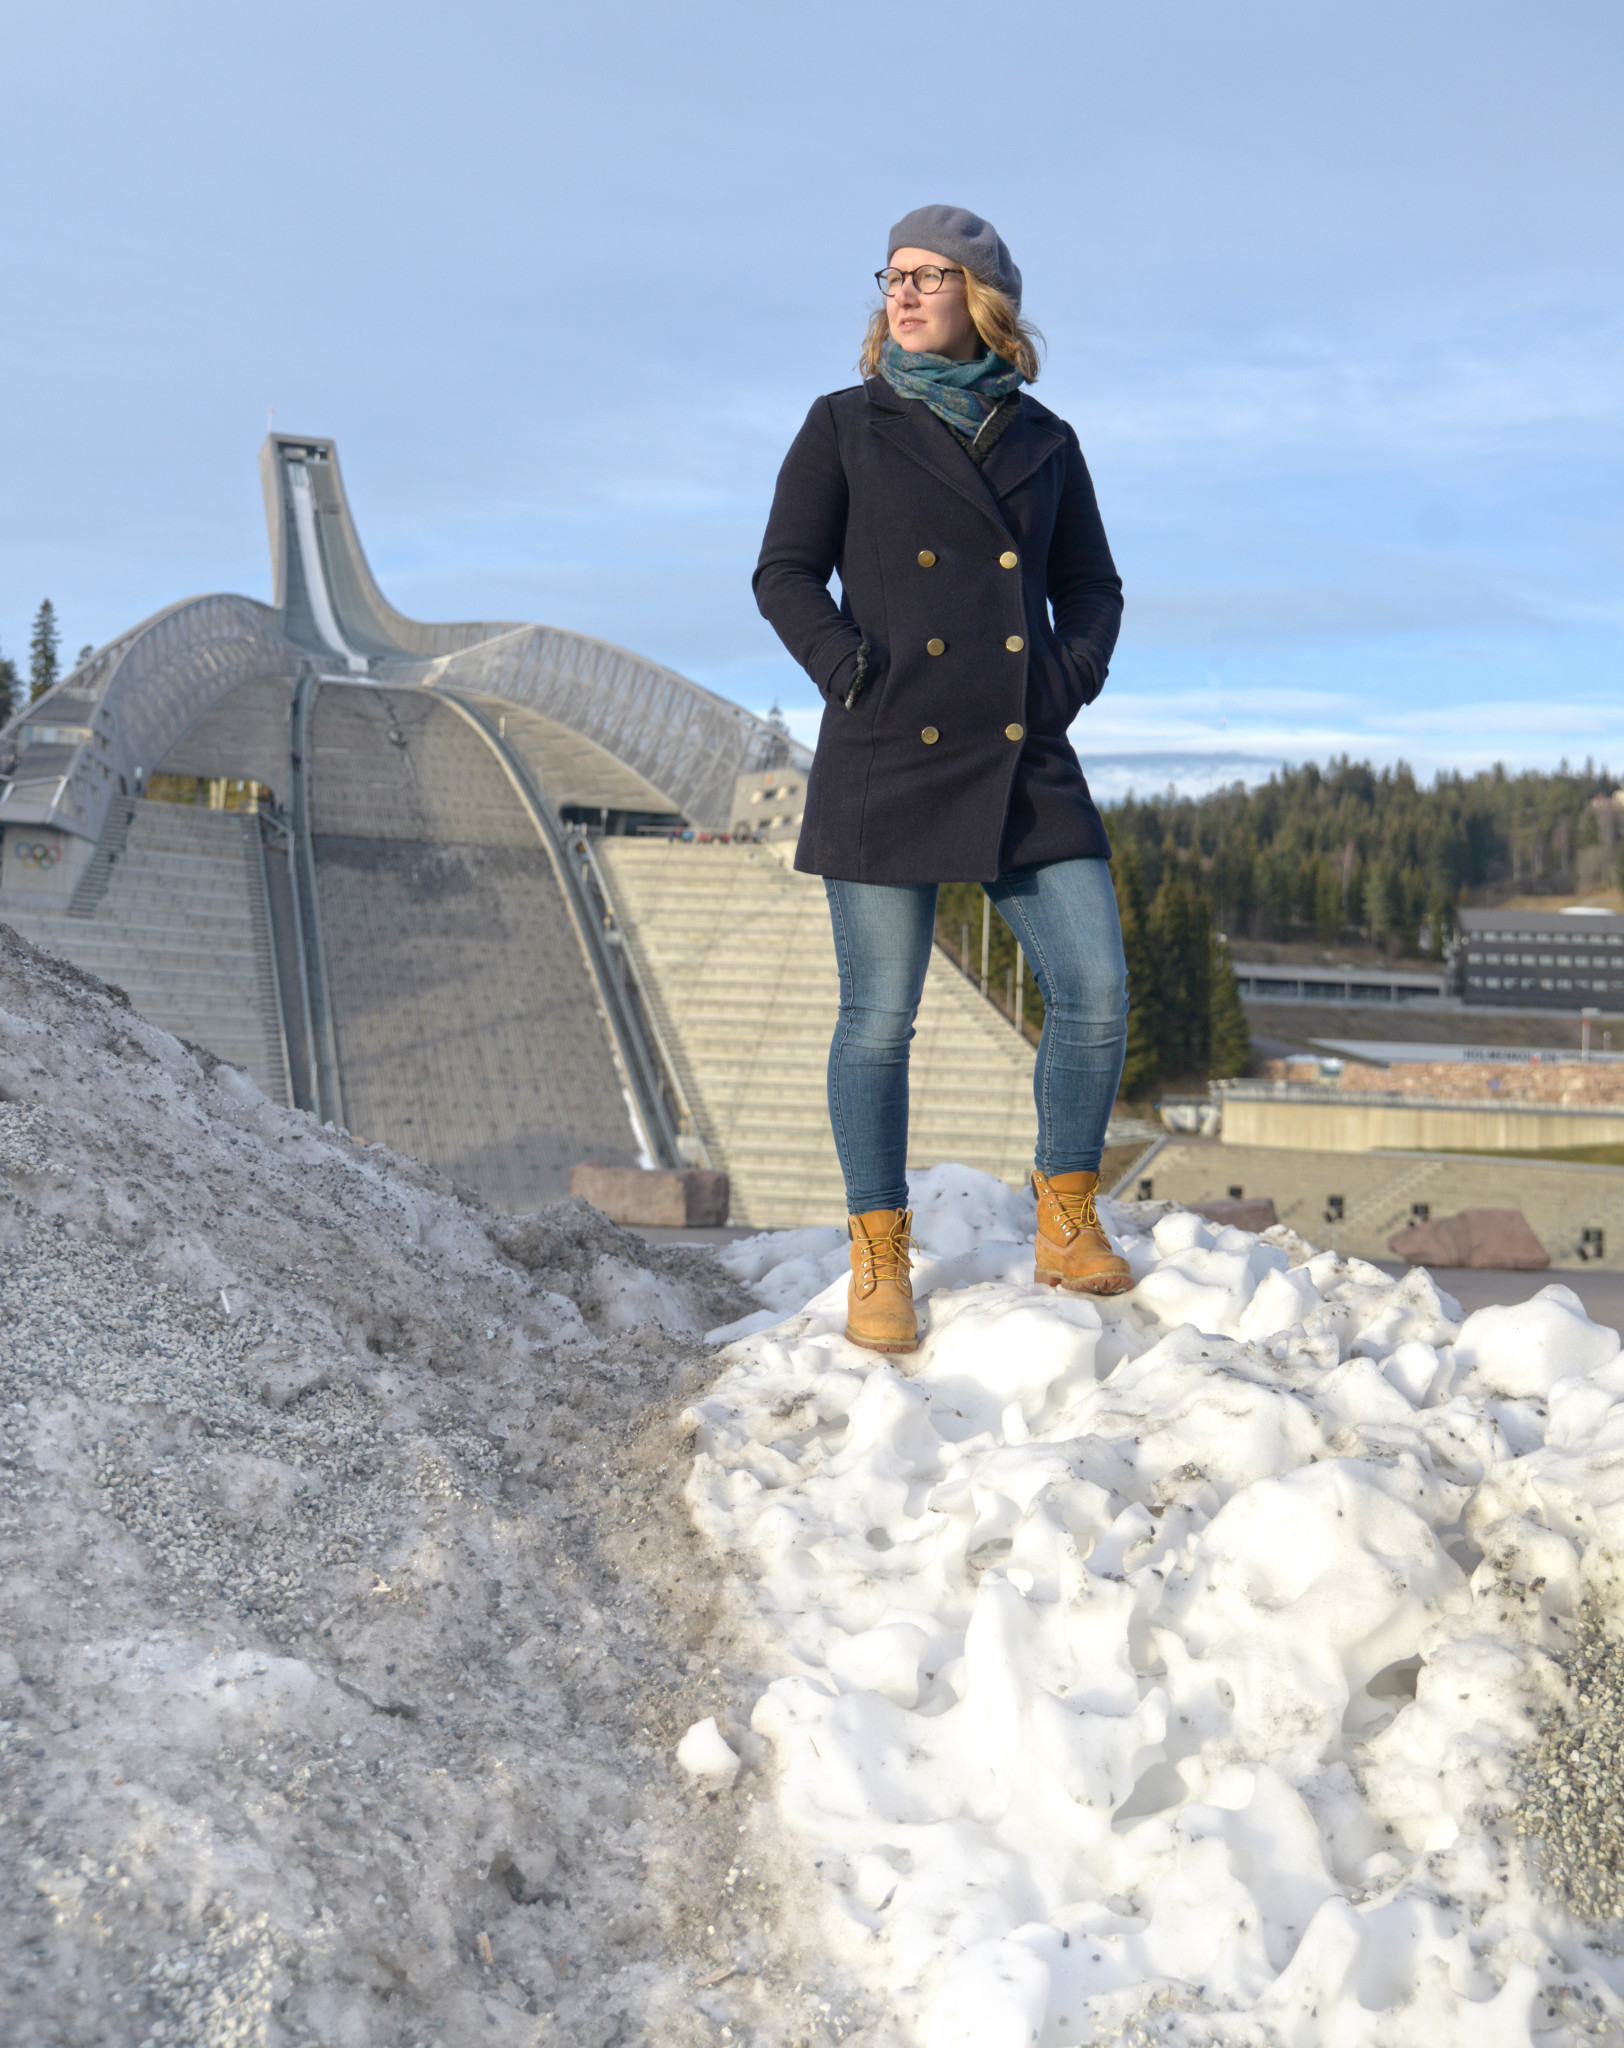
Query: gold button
x=1014 y=643
x=935 y=646
x=1014 y=732
x=1008 y=559
x=930 y=735
x=926 y=559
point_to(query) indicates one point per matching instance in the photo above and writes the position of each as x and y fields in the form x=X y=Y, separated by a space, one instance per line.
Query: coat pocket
x=1079 y=670
x=867 y=675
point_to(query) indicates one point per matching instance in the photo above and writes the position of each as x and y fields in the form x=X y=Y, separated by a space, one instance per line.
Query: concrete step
x=160 y=940
x=180 y=900
x=143 y=969
x=186 y=892
x=140 y=869
x=739 y=962
x=772 y=1040
x=164 y=908
x=175 y=929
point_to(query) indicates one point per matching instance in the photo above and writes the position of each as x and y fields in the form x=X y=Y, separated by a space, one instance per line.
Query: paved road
x=1278 y=1028
x=1602 y=1293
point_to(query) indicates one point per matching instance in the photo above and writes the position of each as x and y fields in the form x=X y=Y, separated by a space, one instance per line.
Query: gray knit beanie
x=965 y=237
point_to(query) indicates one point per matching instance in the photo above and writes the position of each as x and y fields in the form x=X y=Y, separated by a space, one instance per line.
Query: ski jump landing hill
x=457 y=920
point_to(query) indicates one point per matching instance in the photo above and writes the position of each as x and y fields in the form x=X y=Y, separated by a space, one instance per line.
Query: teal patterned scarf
x=962 y=394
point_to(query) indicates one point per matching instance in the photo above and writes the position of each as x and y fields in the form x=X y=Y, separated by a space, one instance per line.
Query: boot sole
x=878 y=1343
x=1111 y=1283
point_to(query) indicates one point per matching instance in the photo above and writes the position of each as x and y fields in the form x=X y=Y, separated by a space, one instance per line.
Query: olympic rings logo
x=34 y=854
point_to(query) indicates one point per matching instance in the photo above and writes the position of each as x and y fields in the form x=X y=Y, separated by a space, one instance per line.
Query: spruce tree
x=1228 y=1033
x=42 y=651
x=1378 y=904
x=1327 y=901
x=1180 y=928
x=1142 y=1066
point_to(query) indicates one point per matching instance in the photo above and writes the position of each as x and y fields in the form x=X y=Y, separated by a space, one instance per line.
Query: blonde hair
x=995 y=317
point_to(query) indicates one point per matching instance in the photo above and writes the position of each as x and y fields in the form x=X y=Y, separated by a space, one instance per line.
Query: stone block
x=1254 y=1213
x=1499 y=1240
x=690 y=1199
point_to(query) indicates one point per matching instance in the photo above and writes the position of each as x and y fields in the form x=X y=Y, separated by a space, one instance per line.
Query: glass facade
x=1543 y=962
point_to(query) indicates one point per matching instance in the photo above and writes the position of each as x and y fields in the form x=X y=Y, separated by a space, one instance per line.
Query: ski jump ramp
x=134 y=700
x=442 y=929
x=438 y=966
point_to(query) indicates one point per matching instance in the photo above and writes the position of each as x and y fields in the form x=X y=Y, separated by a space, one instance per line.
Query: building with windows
x=1542 y=959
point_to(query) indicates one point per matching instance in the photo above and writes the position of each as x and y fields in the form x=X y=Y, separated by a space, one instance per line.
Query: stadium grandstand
x=500 y=896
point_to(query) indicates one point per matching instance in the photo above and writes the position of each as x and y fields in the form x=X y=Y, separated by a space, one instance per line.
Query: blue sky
x=1334 y=297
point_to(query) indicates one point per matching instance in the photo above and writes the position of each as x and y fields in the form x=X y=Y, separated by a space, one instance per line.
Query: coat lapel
x=914 y=428
x=1025 y=445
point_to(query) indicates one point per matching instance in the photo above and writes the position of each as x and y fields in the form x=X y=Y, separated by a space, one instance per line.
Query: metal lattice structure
x=688 y=744
x=135 y=698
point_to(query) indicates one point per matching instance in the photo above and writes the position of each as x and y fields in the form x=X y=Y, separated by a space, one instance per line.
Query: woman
x=957 y=511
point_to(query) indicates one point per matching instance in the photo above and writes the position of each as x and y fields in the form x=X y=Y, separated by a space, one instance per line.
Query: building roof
x=1571 y=927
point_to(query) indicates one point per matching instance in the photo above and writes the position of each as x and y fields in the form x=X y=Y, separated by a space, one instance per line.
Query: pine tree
x=1180 y=928
x=1328 y=918
x=42 y=651
x=1142 y=1065
x=1228 y=1033
x=11 y=688
x=1378 y=901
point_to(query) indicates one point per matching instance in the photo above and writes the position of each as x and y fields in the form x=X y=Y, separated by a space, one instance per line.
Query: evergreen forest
x=1340 y=856
x=1351 y=853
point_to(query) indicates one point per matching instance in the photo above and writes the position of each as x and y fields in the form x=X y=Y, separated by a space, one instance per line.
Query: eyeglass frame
x=943 y=272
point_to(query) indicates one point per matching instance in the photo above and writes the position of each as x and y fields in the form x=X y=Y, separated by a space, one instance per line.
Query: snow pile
x=348 y=1620
x=1163 y=1668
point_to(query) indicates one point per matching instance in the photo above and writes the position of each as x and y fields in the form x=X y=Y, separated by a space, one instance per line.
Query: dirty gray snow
x=350 y=1615
x=1234 y=1662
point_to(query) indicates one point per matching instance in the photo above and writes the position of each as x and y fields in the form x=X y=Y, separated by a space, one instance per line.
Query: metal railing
x=270 y=981
x=318 y=1013
x=689 y=1141
x=1010 y=1008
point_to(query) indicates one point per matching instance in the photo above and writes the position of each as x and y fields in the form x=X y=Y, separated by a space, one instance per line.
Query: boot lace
x=1074 y=1212
x=886 y=1257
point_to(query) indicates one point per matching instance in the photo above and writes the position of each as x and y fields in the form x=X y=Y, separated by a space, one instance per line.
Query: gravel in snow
x=350 y=1615
x=1231 y=1663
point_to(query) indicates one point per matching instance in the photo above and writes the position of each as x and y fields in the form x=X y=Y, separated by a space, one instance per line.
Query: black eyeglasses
x=927 y=278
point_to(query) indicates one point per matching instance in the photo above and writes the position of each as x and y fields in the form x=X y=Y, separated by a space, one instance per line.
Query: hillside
x=1348 y=852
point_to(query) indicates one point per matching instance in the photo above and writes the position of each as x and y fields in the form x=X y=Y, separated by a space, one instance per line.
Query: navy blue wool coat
x=952 y=764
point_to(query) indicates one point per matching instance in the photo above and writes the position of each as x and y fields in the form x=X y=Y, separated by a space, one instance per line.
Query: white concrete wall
x=39 y=868
x=1333 y=1126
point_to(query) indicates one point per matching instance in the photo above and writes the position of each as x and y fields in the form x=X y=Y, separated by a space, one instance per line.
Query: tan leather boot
x=879 y=1300
x=1073 y=1251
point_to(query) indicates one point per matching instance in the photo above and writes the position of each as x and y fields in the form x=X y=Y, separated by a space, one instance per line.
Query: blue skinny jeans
x=1064 y=916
